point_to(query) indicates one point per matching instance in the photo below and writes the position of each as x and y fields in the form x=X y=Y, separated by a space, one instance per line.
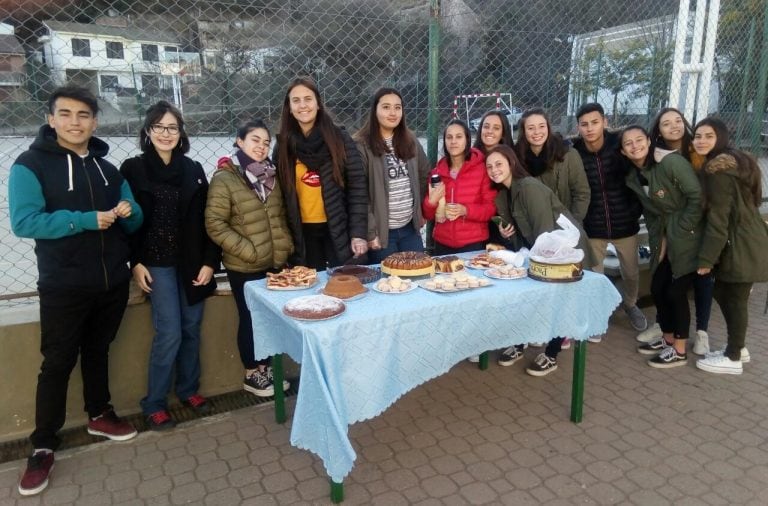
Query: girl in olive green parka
x=671 y=196
x=735 y=239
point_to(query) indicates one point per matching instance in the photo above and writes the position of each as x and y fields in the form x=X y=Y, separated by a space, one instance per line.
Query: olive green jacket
x=735 y=237
x=569 y=182
x=253 y=236
x=672 y=209
x=533 y=209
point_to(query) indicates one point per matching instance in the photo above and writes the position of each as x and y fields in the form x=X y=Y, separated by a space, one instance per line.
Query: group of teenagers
x=326 y=198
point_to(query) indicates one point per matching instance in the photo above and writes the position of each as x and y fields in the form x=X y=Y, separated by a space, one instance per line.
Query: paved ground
x=649 y=436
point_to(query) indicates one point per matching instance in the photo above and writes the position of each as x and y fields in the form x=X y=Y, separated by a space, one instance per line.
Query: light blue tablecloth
x=355 y=366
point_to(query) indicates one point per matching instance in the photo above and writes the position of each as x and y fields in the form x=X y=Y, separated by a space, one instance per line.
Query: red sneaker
x=160 y=420
x=198 y=403
x=110 y=426
x=35 y=477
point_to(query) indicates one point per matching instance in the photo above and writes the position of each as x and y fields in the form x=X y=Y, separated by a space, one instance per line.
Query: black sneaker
x=271 y=377
x=669 y=357
x=653 y=348
x=160 y=421
x=510 y=356
x=259 y=384
x=542 y=366
x=35 y=477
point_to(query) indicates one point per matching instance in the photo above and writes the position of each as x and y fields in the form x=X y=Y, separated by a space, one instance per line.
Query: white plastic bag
x=516 y=259
x=558 y=246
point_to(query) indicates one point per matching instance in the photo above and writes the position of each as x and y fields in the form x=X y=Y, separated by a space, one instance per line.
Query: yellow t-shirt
x=308 y=190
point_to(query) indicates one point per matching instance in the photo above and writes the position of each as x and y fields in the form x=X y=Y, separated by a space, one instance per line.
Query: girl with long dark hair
x=323 y=181
x=397 y=170
x=494 y=129
x=735 y=237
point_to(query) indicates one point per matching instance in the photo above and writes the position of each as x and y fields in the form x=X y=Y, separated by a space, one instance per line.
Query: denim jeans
x=703 y=286
x=404 y=238
x=176 y=342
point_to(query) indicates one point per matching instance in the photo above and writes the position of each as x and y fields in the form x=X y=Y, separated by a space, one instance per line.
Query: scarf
x=159 y=172
x=536 y=164
x=312 y=150
x=263 y=173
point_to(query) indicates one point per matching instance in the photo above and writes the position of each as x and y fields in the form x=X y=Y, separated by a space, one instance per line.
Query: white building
x=117 y=62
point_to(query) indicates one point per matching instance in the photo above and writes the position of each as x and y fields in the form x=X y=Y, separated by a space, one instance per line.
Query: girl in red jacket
x=466 y=188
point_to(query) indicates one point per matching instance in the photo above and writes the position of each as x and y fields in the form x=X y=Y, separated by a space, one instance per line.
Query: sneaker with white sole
x=745 y=358
x=259 y=384
x=700 y=343
x=669 y=357
x=636 y=318
x=653 y=347
x=596 y=339
x=542 y=365
x=566 y=344
x=35 y=477
x=650 y=334
x=474 y=359
x=720 y=365
x=510 y=356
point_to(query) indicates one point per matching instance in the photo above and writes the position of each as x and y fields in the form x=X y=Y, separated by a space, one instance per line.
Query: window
x=115 y=50
x=150 y=85
x=149 y=52
x=171 y=54
x=109 y=83
x=81 y=47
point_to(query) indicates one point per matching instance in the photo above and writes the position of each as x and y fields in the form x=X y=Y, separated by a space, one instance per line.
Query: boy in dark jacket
x=614 y=211
x=77 y=207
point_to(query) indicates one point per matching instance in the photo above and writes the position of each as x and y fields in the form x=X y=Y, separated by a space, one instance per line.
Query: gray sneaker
x=636 y=318
x=650 y=334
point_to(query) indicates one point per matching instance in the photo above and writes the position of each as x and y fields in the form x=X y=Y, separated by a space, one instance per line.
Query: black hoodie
x=54 y=195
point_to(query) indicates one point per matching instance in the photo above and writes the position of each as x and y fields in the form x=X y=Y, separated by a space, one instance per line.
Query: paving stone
x=211 y=470
x=98 y=499
x=439 y=486
x=126 y=480
x=226 y=497
x=66 y=494
x=179 y=465
x=190 y=492
x=278 y=482
x=153 y=488
x=216 y=484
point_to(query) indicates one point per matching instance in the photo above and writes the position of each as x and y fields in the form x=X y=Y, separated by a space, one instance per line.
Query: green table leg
x=577 y=388
x=337 y=492
x=483 y=364
x=277 y=371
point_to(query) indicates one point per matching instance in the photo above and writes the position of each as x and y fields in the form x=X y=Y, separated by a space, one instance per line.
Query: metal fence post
x=758 y=109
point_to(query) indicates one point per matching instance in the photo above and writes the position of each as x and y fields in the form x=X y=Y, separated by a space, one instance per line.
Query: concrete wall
x=20 y=360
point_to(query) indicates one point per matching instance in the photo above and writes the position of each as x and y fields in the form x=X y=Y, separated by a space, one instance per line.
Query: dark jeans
x=404 y=238
x=670 y=296
x=733 y=299
x=442 y=249
x=237 y=281
x=702 y=297
x=320 y=253
x=74 y=323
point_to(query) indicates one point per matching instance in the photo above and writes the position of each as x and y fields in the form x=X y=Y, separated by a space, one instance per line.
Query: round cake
x=343 y=286
x=408 y=263
x=361 y=272
x=313 y=307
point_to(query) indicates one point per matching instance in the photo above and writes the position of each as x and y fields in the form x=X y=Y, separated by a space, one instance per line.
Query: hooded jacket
x=54 y=195
x=614 y=211
x=735 y=237
x=673 y=211
x=195 y=248
x=471 y=188
x=253 y=235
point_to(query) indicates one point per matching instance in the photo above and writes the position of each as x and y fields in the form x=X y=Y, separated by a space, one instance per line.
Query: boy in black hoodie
x=78 y=208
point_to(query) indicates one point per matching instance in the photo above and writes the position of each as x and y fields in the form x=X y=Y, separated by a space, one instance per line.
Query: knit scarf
x=536 y=164
x=159 y=172
x=312 y=150
x=263 y=173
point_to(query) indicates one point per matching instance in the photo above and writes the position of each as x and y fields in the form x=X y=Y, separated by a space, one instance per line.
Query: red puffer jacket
x=472 y=188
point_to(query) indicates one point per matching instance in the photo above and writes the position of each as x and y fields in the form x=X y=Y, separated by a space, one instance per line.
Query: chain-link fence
x=225 y=61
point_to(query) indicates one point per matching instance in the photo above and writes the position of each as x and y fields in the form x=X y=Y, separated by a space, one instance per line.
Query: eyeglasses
x=158 y=129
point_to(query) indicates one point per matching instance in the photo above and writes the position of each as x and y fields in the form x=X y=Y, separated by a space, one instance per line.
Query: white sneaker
x=595 y=339
x=720 y=365
x=745 y=358
x=474 y=359
x=537 y=344
x=650 y=334
x=701 y=343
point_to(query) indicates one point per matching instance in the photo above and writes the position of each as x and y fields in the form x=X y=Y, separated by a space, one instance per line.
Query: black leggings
x=237 y=281
x=670 y=296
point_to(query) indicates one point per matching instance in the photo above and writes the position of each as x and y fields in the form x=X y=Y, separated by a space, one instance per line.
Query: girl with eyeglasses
x=172 y=259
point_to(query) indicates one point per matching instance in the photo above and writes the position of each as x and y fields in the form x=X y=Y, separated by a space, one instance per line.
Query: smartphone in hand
x=498 y=220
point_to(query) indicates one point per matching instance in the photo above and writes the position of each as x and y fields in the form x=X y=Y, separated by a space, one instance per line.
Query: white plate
x=315 y=319
x=440 y=290
x=291 y=288
x=354 y=297
x=413 y=287
x=494 y=274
